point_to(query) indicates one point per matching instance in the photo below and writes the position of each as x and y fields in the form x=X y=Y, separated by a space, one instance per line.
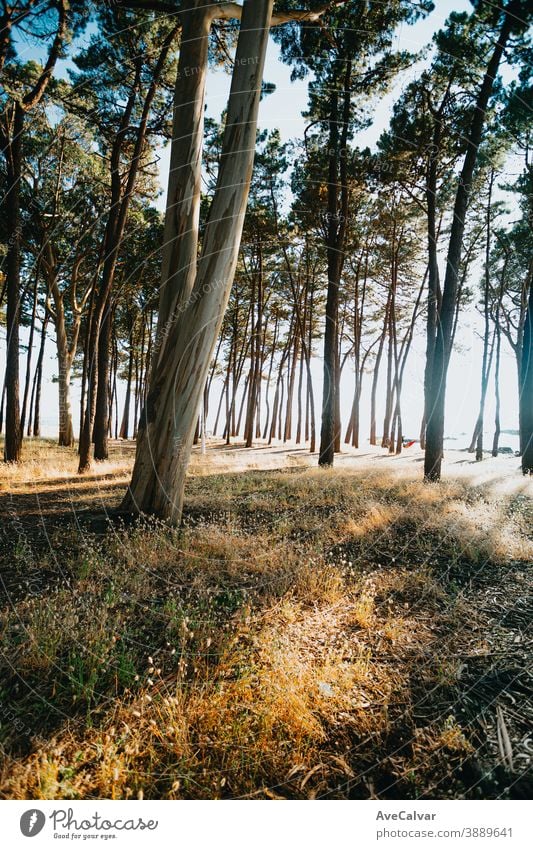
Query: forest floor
x=343 y=633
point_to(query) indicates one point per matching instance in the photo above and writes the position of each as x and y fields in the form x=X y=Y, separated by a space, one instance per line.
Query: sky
x=283 y=110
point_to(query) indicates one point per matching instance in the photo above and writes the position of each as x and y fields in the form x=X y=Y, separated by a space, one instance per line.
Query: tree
x=23 y=88
x=125 y=87
x=65 y=208
x=339 y=57
x=510 y=20
x=194 y=294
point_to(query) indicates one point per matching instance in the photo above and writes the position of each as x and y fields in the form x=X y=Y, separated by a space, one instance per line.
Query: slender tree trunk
x=125 y=424
x=287 y=433
x=37 y=376
x=526 y=390
x=442 y=350
x=310 y=393
x=137 y=396
x=66 y=432
x=497 y=424
x=375 y=376
x=255 y=364
x=2 y=406
x=486 y=363
x=279 y=384
x=114 y=387
x=300 y=388
x=102 y=406
x=385 y=439
x=13 y=435
x=434 y=293
x=39 y=379
x=280 y=407
x=237 y=429
x=337 y=215
x=269 y=377
x=30 y=352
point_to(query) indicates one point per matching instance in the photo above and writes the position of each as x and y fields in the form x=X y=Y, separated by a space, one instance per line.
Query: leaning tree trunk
x=436 y=397
x=186 y=344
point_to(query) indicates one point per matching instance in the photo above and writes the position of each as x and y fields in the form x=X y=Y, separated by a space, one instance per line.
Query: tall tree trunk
x=269 y=377
x=434 y=293
x=299 y=399
x=37 y=378
x=13 y=435
x=486 y=362
x=125 y=424
x=352 y=431
x=442 y=350
x=497 y=423
x=526 y=390
x=66 y=431
x=310 y=421
x=385 y=439
x=287 y=432
x=182 y=363
x=102 y=407
x=2 y=406
x=255 y=364
x=279 y=385
x=375 y=378
x=30 y=352
x=337 y=216
x=237 y=428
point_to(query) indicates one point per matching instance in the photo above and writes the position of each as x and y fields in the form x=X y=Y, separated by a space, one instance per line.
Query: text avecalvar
x=404 y=815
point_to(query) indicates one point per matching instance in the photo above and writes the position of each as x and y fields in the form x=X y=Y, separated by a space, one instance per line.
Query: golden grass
x=44 y=460
x=305 y=634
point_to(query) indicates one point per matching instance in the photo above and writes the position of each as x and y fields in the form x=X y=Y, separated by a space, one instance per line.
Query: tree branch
x=231 y=11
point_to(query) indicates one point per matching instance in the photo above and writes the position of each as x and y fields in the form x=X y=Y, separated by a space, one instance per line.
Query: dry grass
x=307 y=633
